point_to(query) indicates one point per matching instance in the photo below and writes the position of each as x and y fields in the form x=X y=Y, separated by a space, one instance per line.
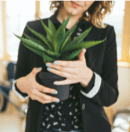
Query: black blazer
x=103 y=89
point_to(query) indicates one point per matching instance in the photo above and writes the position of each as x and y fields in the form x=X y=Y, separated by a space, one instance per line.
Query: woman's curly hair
x=94 y=14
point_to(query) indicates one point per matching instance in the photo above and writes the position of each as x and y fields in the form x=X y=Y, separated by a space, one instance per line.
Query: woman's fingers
x=37 y=91
x=42 y=97
x=45 y=89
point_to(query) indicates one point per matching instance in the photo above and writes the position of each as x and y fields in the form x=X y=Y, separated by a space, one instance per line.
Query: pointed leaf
x=35 y=40
x=86 y=44
x=48 y=31
x=31 y=43
x=47 y=58
x=38 y=47
x=59 y=35
x=68 y=35
x=44 y=39
x=72 y=55
x=78 y=39
x=52 y=54
x=33 y=49
x=69 y=40
x=51 y=26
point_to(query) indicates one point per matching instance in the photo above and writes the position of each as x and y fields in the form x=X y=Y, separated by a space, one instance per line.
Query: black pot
x=47 y=79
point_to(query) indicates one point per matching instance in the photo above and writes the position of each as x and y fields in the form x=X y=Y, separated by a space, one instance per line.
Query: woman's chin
x=72 y=10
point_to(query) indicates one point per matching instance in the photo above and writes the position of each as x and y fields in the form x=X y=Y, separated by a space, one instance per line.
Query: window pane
x=119 y=47
x=1 y=36
x=116 y=19
x=18 y=13
x=22 y=8
x=44 y=9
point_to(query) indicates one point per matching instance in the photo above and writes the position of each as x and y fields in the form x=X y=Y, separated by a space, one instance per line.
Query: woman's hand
x=36 y=91
x=74 y=71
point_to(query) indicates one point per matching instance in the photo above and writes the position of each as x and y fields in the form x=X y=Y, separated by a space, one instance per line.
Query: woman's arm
x=104 y=89
x=22 y=66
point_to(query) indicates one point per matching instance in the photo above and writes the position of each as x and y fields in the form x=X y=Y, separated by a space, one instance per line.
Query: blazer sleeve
x=103 y=89
x=22 y=65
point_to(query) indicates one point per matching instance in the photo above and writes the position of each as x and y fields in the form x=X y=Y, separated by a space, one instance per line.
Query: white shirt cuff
x=95 y=88
x=17 y=93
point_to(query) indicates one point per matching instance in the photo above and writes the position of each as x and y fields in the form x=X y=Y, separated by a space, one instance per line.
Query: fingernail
x=55 y=62
x=55 y=92
x=39 y=68
x=47 y=64
x=56 y=100
x=55 y=83
x=48 y=69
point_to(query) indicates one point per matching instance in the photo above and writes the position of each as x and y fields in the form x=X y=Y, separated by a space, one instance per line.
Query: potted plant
x=57 y=46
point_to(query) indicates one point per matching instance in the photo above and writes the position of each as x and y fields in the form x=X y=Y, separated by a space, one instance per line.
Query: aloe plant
x=57 y=45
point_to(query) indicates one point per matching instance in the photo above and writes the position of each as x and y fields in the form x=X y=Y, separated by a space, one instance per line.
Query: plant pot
x=47 y=79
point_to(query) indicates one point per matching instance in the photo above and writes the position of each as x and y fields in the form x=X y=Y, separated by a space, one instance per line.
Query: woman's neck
x=63 y=15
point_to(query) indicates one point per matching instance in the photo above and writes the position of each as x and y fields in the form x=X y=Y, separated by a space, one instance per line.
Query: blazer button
x=83 y=106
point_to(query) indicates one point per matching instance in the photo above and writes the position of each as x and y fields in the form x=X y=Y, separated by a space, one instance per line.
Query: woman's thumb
x=36 y=70
x=39 y=68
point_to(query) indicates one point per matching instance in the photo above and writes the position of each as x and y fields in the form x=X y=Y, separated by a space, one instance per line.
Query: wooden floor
x=9 y=122
x=10 y=119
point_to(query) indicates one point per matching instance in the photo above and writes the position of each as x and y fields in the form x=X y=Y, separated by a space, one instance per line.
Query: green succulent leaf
x=86 y=44
x=31 y=43
x=48 y=31
x=52 y=54
x=60 y=34
x=72 y=55
x=51 y=26
x=77 y=39
x=44 y=39
x=35 y=40
x=67 y=36
x=69 y=40
x=38 y=47
x=33 y=49
x=57 y=44
x=47 y=58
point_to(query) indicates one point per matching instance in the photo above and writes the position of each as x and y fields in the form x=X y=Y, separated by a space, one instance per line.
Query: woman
x=93 y=77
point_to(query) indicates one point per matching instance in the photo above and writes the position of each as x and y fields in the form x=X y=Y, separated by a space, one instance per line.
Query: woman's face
x=79 y=9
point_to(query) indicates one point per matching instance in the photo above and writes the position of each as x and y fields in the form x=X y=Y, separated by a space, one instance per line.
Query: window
x=116 y=19
x=1 y=36
x=14 y=15
x=44 y=9
x=17 y=15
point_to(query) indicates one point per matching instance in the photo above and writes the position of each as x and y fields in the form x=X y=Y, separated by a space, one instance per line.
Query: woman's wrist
x=85 y=82
x=18 y=85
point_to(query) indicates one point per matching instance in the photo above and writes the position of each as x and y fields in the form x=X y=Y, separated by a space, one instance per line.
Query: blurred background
x=13 y=17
